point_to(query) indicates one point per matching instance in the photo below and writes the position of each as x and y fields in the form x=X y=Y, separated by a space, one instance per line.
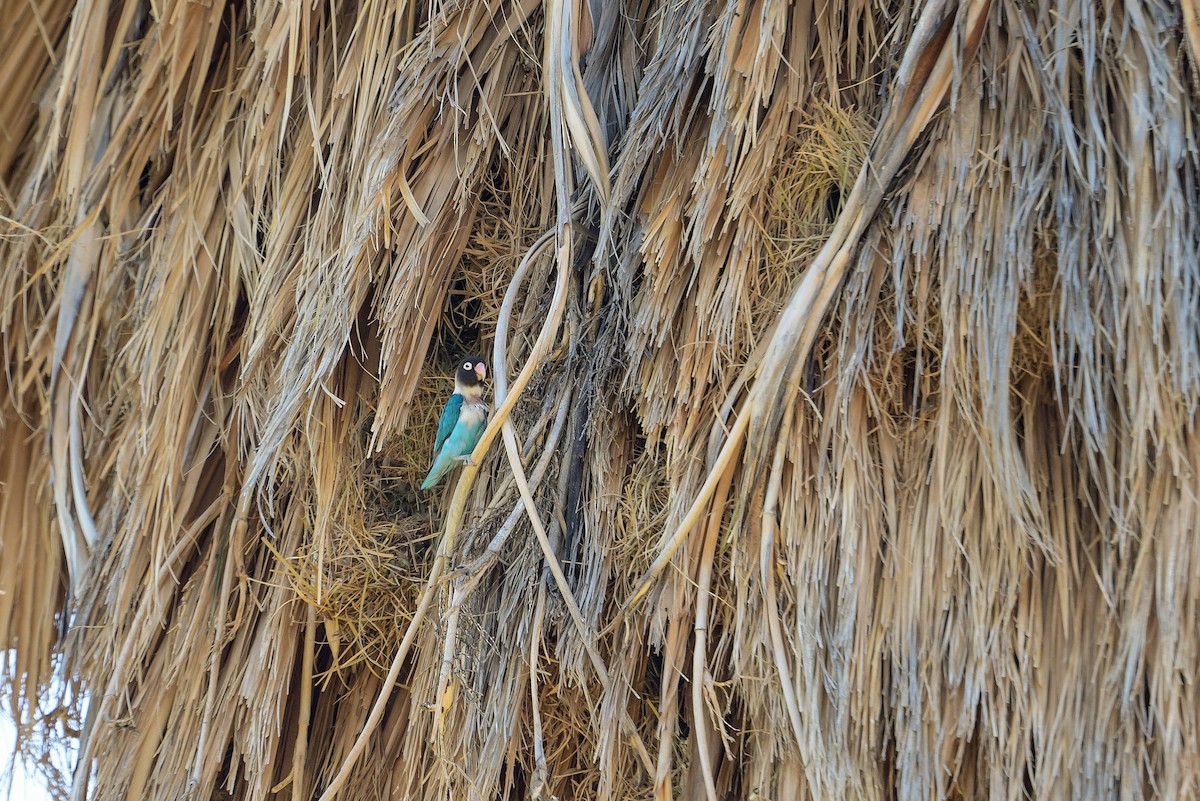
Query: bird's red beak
x=481 y=371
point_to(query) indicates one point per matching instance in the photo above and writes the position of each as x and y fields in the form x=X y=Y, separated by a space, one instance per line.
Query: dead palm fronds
x=848 y=449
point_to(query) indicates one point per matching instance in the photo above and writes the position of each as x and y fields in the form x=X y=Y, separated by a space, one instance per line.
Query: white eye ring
x=467 y=365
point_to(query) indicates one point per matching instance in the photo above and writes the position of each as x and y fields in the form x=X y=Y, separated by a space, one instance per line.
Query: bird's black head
x=471 y=371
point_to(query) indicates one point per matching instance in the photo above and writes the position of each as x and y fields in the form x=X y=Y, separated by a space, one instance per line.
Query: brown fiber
x=847 y=363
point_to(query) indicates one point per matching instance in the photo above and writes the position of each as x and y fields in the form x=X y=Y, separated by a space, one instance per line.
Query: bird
x=463 y=420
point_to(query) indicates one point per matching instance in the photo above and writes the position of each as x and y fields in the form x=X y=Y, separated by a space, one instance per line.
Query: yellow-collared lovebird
x=463 y=420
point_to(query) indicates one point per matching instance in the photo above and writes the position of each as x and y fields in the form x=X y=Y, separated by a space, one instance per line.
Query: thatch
x=847 y=362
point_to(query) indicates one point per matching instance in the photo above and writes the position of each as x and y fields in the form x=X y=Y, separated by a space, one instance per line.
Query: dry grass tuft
x=645 y=505
x=364 y=586
x=816 y=171
x=1034 y=359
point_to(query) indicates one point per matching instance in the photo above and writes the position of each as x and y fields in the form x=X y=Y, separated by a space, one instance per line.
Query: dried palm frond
x=846 y=364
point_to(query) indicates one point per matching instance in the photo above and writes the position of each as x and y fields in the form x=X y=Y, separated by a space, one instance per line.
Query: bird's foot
x=465 y=460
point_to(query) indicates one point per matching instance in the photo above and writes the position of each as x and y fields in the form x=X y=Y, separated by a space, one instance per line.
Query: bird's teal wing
x=465 y=436
x=459 y=443
x=446 y=424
